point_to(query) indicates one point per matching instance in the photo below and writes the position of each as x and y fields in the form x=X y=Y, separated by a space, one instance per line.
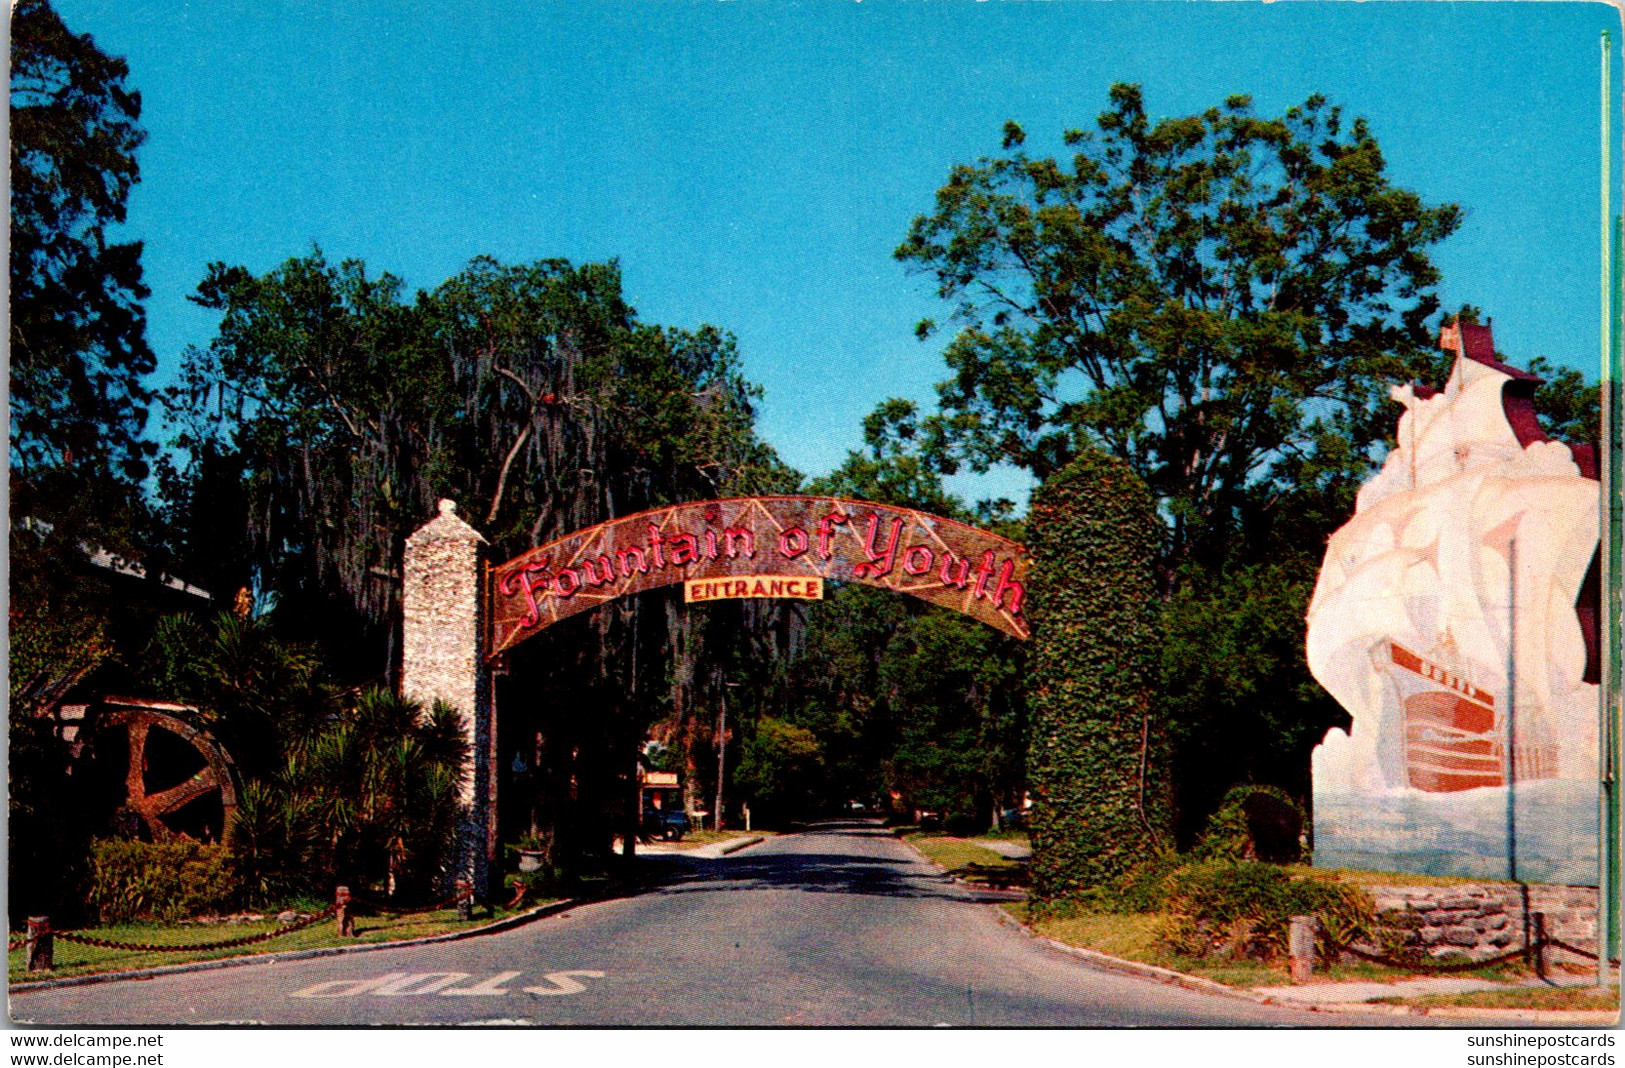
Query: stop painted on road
x=449 y=984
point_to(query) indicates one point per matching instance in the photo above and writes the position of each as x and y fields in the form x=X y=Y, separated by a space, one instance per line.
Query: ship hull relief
x=1468 y=552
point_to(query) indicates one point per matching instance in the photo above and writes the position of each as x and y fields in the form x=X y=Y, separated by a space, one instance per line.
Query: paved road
x=842 y=925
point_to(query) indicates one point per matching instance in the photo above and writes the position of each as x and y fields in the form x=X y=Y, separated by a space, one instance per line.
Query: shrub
x=1254 y=822
x=1246 y=907
x=159 y=881
x=1098 y=758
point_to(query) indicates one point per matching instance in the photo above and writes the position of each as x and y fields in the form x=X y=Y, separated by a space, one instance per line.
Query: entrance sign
x=701 y=590
x=459 y=614
x=744 y=539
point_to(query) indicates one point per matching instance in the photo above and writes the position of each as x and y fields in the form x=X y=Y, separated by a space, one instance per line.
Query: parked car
x=667 y=824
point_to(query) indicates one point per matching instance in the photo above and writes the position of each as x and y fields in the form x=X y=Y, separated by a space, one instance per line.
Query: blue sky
x=753 y=164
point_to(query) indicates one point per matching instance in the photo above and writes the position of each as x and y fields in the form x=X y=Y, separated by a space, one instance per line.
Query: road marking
x=491 y=988
x=563 y=984
x=345 y=988
x=419 y=983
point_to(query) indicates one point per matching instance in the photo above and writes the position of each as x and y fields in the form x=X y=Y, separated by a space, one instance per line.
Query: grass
x=71 y=959
x=1544 y=998
x=1384 y=878
x=966 y=860
x=696 y=839
x=1133 y=936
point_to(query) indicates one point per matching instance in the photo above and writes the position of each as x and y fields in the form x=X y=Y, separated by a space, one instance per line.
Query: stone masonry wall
x=1486 y=920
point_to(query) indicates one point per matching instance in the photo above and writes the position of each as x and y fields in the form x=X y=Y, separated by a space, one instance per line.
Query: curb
x=552 y=908
x=1165 y=976
x=744 y=843
x=1510 y=1016
x=1169 y=977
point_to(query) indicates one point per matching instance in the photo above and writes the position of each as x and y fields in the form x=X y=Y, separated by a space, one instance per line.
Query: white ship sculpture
x=1474 y=545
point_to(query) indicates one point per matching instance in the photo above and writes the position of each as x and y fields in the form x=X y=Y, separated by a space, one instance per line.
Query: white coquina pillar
x=443 y=659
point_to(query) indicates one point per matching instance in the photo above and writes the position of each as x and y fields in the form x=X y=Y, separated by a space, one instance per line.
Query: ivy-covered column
x=1097 y=764
x=443 y=659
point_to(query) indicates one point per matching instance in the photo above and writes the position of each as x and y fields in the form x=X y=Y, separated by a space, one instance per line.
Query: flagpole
x=1609 y=545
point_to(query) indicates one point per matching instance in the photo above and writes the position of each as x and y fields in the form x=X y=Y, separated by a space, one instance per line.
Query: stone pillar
x=443 y=658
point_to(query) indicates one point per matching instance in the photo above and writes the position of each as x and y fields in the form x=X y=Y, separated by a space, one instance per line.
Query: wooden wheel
x=162 y=775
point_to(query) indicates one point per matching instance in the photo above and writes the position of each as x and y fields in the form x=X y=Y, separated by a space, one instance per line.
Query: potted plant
x=533 y=850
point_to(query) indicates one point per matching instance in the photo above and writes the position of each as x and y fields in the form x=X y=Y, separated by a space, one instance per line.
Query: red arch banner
x=838 y=540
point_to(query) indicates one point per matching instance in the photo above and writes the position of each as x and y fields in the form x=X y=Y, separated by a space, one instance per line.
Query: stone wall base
x=1486 y=920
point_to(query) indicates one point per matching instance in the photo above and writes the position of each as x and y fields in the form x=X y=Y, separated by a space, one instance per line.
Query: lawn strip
x=72 y=959
x=1543 y=998
x=967 y=861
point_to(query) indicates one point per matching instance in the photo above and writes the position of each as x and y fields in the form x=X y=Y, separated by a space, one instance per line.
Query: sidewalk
x=705 y=852
x=1347 y=993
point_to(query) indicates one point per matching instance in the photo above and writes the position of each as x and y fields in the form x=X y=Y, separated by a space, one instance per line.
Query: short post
x=341 y=912
x=1301 y=947
x=1537 y=942
x=39 y=944
x=465 y=899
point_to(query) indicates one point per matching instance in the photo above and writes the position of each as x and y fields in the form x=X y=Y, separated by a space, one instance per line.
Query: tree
x=330 y=411
x=78 y=331
x=780 y=770
x=78 y=353
x=1220 y=300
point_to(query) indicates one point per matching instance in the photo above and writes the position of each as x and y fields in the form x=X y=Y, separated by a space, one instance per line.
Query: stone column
x=443 y=659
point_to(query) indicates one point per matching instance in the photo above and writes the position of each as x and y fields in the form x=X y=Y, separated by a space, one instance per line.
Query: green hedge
x=160 y=881
x=1098 y=761
x=1244 y=908
x=1254 y=822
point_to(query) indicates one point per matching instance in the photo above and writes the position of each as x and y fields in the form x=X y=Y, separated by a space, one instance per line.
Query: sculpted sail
x=831 y=539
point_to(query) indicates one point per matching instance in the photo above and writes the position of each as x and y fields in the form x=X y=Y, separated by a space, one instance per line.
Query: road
x=842 y=925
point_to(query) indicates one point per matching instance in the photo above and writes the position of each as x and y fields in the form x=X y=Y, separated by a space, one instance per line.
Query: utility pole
x=722 y=749
x=1509 y=720
x=1609 y=523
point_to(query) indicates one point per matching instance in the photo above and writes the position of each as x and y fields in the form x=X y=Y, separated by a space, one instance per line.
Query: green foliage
x=256 y=693
x=1098 y=762
x=1242 y=827
x=160 y=881
x=780 y=770
x=48 y=830
x=1245 y=908
x=78 y=332
x=1219 y=299
x=370 y=798
x=1233 y=685
x=907 y=700
x=333 y=408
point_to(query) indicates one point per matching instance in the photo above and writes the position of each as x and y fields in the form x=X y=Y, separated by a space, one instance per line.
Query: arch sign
x=787 y=546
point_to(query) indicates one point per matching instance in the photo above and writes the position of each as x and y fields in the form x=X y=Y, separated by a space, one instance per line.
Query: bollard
x=1301 y=947
x=341 y=912
x=465 y=900
x=1537 y=942
x=39 y=944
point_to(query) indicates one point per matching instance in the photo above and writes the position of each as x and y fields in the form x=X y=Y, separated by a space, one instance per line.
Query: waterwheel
x=177 y=780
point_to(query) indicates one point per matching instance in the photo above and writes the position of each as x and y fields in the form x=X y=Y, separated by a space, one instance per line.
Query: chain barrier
x=17 y=943
x=443 y=903
x=1417 y=966
x=229 y=943
x=1576 y=950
